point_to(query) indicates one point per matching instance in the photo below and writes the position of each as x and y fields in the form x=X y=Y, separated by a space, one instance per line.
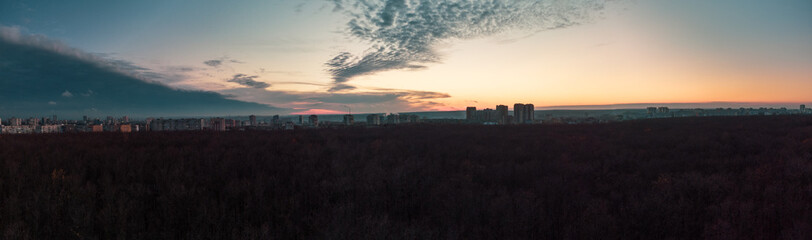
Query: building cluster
x=391 y=119
x=110 y=124
x=522 y=114
x=54 y=125
x=664 y=112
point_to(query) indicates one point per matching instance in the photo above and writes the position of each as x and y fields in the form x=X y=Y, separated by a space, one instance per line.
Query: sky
x=333 y=56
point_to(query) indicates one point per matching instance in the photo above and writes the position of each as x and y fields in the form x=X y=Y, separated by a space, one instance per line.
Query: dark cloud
x=16 y=35
x=248 y=81
x=403 y=34
x=340 y=87
x=34 y=70
x=221 y=61
x=213 y=63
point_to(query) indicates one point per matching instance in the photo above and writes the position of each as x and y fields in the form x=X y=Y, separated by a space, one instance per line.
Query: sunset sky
x=415 y=55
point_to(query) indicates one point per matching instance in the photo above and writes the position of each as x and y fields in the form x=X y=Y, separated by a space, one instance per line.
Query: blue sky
x=408 y=55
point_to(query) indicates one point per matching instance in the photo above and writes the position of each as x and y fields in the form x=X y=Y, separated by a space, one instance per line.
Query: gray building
x=374 y=119
x=470 y=114
x=502 y=114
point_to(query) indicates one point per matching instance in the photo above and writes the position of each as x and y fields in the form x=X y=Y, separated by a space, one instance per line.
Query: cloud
x=18 y=35
x=248 y=81
x=221 y=61
x=378 y=100
x=213 y=63
x=340 y=86
x=35 y=67
x=404 y=34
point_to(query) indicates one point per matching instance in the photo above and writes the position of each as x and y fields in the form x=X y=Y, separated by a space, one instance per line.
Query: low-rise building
x=125 y=128
x=52 y=128
x=97 y=128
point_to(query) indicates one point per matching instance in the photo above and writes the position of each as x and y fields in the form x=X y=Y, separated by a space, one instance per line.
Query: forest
x=681 y=178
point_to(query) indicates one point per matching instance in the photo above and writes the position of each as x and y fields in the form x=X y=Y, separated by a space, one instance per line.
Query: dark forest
x=685 y=178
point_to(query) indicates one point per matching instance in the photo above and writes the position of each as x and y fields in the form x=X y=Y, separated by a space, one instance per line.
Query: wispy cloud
x=378 y=100
x=213 y=63
x=404 y=34
x=248 y=81
x=221 y=61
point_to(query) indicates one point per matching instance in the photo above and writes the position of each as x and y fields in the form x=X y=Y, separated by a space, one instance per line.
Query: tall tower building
x=803 y=108
x=502 y=114
x=470 y=113
x=253 y=120
x=530 y=113
x=519 y=113
x=487 y=115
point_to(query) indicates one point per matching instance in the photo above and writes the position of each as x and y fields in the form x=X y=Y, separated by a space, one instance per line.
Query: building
x=15 y=122
x=300 y=120
x=125 y=128
x=96 y=128
x=408 y=118
x=524 y=113
x=487 y=115
x=218 y=124
x=314 y=120
x=392 y=119
x=348 y=119
x=252 y=120
x=374 y=119
x=502 y=114
x=651 y=110
x=48 y=129
x=32 y=121
x=518 y=113
x=470 y=114
x=803 y=108
x=530 y=113
x=22 y=129
x=275 y=120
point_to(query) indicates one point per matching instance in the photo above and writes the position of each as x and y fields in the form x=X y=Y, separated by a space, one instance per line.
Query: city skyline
x=156 y=58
